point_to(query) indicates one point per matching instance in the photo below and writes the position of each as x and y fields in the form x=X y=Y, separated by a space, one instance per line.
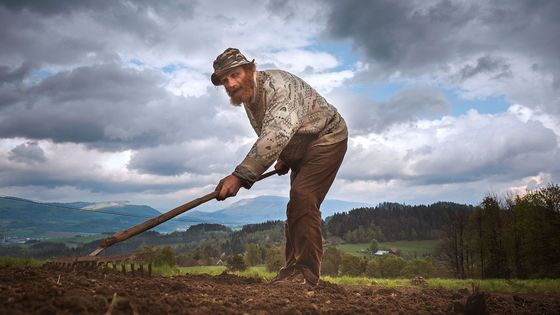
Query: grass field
x=489 y=285
x=19 y=262
x=255 y=272
x=407 y=248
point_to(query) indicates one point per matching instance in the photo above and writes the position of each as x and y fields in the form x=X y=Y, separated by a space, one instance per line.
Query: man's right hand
x=228 y=187
x=281 y=167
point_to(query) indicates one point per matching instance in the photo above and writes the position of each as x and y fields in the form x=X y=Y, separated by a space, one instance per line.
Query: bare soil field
x=34 y=290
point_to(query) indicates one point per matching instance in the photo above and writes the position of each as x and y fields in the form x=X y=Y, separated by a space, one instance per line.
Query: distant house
x=392 y=251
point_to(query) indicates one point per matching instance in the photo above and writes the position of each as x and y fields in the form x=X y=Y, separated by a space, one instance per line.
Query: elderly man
x=302 y=132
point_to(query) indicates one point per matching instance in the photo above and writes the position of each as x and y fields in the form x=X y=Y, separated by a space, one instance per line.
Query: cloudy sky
x=111 y=100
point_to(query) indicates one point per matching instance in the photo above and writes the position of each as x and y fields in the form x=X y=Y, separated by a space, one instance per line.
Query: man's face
x=239 y=85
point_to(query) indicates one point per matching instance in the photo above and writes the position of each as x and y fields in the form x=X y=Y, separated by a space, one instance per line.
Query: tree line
x=510 y=237
x=393 y=221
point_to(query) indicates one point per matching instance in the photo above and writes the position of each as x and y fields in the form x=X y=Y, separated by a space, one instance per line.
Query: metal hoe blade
x=137 y=263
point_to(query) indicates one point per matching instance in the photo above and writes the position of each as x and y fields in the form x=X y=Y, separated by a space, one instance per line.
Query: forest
x=511 y=237
x=393 y=221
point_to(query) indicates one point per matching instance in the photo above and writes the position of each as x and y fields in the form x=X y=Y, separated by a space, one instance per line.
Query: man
x=298 y=129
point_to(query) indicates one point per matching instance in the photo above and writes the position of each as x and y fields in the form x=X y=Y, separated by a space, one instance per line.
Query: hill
x=22 y=217
x=263 y=208
x=27 y=218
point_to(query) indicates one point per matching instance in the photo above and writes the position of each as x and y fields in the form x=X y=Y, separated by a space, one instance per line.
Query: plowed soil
x=46 y=291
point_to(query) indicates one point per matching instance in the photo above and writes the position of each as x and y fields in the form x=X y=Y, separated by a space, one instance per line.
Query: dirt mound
x=42 y=291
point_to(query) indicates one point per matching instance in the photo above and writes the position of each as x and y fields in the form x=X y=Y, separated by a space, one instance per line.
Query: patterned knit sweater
x=288 y=116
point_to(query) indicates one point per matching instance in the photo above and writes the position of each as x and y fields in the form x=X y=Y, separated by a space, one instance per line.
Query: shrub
x=335 y=240
x=332 y=258
x=391 y=266
x=274 y=259
x=166 y=256
x=419 y=267
x=351 y=265
x=252 y=255
x=236 y=263
x=374 y=246
x=372 y=268
x=162 y=256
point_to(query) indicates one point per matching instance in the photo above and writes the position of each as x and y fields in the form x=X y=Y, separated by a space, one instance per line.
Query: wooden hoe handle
x=139 y=228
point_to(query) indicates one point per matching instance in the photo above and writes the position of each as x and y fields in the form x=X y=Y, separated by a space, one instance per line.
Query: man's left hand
x=228 y=187
x=281 y=167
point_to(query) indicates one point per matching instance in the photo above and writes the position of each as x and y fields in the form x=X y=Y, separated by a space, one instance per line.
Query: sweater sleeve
x=281 y=121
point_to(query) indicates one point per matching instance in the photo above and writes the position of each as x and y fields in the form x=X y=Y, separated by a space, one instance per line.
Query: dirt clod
x=476 y=304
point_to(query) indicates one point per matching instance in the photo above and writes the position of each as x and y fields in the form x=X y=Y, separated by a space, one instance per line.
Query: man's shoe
x=297 y=278
x=294 y=279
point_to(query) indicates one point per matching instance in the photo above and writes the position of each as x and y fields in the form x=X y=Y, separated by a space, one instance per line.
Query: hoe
x=140 y=259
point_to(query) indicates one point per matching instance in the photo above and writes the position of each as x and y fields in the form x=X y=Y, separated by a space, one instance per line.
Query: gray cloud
x=365 y=115
x=9 y=75
x=486 y=64
x=504 y=148
x=111 y=108
x=51 y=176
x=196 y=157
x=409 y=36
x=397 y=35
x=53 y=7
x=466 y=149
x=416 y=101
x=24 y=40
x=281 y=7
x=34 y=30
x=170 y=9
x=28 y=153
x=11 y=83
x=452 y=41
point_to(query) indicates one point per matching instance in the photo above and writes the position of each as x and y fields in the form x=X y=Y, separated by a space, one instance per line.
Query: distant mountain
x=34 y=219
x=264 y=208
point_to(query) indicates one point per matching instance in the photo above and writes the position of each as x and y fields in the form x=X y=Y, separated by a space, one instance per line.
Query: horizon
x=126 y=203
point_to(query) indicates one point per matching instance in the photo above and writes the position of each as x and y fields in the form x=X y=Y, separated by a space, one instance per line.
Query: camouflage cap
x=230 y=58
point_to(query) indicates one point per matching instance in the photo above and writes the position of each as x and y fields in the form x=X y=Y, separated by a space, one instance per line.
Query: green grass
x=19 y=262
x=407 y=248
x=550 y=286
x=253 y=272
x=211 y=270
x=501 y=285
x=488 y=285
x=347 y=280
x=257 y=272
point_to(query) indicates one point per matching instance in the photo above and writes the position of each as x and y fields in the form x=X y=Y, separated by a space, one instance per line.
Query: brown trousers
x=310 y=180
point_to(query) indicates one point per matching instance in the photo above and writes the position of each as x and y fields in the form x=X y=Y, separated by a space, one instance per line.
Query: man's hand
x=228 y=187
x=281 y=167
